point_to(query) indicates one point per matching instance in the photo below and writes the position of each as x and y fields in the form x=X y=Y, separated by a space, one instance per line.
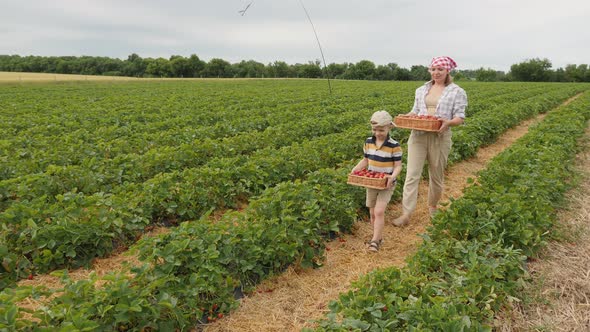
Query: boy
x=381 y=154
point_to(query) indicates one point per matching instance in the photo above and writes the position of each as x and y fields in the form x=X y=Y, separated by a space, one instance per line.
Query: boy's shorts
x=378 y=195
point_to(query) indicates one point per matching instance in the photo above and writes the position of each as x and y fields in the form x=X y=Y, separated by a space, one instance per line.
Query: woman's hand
x=444 y=126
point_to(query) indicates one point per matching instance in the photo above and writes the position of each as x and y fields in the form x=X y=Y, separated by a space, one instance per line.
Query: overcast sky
x=489 y=34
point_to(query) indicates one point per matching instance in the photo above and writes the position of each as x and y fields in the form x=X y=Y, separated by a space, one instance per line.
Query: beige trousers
x=422 y=147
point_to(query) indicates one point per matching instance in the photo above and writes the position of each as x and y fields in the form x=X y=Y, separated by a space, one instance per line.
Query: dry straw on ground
x=559 y=296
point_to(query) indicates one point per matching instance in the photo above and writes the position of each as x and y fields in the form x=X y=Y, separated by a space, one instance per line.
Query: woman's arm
x=450 y=123
x=458 y=112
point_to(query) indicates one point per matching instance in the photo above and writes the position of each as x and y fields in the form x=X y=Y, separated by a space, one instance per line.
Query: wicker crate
x=417 y=123
x=363 y=181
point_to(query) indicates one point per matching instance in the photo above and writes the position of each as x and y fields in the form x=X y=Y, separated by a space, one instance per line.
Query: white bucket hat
x=381 y=118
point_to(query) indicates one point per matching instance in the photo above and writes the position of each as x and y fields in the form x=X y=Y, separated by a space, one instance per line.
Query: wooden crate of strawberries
x=418 y=122
x=368 y=179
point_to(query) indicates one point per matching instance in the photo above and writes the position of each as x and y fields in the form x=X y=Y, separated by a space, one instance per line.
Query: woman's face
x=438 y=74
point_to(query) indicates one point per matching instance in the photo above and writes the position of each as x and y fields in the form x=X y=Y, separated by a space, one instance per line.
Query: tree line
x=532 y=70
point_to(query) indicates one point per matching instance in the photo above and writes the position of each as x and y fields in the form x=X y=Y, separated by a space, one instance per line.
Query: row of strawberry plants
x=192 y=192
x=196 y=272
x=178 y=195
x=159 y=254
x=106 y=175
x=510 y=97
x=487 y=126
x=109 y=215
x=163 y=254
x=209 y=258
x=472 y=260
x=80 y=227
x=107 y=130
x=249 y=177
x=61 y=181
x=223 y=182
x=74 y=137
x=141 y=105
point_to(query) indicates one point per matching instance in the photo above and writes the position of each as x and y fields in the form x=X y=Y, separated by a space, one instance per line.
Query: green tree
x=401 y=74
x=337 y=69
x=486 y=75
x=180 y=67
x=365 y=70
x=249 y=69
x=419 y=73
x=196 y=66
x=311 y=69
x=533 y=70
x=383 y=73
x=351 y=73
x=279 y=69
x=134 y=66
x=159 y=67
x=575 y=73
x=559 y=76
x=63 y=67
x=218 y=68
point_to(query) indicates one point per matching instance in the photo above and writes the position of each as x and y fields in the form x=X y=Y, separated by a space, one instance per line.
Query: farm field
x=256 y=168
x=11 y=77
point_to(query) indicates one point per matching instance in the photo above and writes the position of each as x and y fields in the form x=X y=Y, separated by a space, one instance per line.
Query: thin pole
x=319 y=45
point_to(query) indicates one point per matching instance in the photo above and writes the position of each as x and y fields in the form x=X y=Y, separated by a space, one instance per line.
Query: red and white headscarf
x=444 y=62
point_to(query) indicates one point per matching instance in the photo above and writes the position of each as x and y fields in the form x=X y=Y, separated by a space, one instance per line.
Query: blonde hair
x=448 y=79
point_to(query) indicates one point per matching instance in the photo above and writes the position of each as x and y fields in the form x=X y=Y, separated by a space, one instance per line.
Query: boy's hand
x=391 y=182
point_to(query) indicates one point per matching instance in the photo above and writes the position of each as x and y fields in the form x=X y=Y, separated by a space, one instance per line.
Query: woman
x=442 y=98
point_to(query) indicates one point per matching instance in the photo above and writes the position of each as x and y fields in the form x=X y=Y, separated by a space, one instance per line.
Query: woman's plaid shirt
x=452 y=102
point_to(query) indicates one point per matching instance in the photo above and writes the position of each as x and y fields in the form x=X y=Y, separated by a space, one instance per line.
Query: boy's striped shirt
x=381 y=159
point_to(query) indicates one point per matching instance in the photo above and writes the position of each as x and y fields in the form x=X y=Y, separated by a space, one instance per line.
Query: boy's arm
x=361 y=165
x=397 y=168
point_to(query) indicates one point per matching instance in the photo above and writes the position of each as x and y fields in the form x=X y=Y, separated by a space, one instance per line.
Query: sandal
x=375 y=245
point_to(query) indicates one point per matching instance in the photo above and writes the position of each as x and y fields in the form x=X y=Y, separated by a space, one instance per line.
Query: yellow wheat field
x=46 y=77
x=11 y=77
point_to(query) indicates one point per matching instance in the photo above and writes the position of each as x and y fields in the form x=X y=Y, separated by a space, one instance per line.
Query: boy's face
x=380 y=132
